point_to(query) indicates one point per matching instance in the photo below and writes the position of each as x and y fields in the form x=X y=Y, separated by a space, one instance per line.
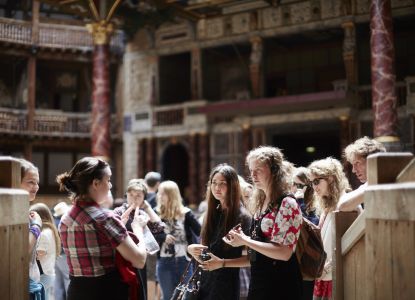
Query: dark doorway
x=303 y=148
x=175 y=166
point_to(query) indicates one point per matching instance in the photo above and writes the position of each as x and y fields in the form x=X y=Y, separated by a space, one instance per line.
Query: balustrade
x=50 y=122
x=54 y=35
x=365 y=95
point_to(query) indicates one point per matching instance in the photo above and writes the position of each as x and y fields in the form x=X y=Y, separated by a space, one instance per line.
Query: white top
x=47 y=245
x=327 y=235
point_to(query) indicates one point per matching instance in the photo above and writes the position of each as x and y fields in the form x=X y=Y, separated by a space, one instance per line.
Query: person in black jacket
x=224 y=212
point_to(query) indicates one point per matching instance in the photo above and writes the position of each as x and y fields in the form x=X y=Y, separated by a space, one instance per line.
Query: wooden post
x=385 y=167
x=10 y=176
x=390 y=241
x=14 y=241
x=342 y=221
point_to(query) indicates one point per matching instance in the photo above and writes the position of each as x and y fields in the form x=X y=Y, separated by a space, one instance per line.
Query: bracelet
x=35 y=231
x=223 y=262
x=34 y=223
x=37 y=225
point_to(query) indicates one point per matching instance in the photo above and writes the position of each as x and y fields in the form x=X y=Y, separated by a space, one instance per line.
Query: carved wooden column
x=246 y=139
x=194 y=171
x=31 y=78
x=204 y=164
x=383 y=73
x=150 y=156
x=141 y=158
x=349 y=53
x=344 y=131
x=154 y=66
x=255 y=66
x=258 y=137
x=101 y=113
x=196 y=74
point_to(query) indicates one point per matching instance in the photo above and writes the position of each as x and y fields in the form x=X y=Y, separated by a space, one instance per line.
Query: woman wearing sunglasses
x=329 y=183
x=302 y=188
x=304 y=193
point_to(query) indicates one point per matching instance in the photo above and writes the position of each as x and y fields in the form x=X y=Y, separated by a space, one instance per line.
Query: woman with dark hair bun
x=224 y=212
x=91 y=235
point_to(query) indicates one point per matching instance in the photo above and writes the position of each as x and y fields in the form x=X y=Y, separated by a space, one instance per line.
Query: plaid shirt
x=89 y=236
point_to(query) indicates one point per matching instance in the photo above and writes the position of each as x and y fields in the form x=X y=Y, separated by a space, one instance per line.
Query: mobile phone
x=204 y=256
x=237 y=227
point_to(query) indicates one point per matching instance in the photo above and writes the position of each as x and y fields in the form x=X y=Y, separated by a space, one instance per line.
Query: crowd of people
x=243 y=245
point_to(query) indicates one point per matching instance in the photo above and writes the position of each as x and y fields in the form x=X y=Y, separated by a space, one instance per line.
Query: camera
x=204 y=256
x=170 y=249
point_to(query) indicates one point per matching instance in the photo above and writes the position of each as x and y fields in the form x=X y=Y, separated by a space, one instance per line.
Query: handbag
x=310 y=251
x=188 y=290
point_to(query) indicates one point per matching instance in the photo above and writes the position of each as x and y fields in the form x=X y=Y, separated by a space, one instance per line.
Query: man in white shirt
x=356 y=154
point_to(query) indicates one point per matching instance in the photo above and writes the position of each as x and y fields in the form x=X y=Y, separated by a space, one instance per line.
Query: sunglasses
x=316 y=181
x=299 y=185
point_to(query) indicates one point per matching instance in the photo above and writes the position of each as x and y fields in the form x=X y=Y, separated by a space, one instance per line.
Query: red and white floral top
x=282 y=226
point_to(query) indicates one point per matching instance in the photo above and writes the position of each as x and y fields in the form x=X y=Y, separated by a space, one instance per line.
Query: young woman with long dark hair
x=224 y=212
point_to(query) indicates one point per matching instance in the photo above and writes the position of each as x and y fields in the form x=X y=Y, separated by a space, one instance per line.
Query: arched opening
x=175 y=167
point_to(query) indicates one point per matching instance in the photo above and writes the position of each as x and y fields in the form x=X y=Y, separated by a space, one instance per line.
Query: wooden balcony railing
x=50 y=123
x=169 y=117
x=365 y=95
x=54 y=36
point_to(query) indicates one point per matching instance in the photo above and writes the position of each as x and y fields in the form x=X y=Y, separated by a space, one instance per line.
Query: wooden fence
x=375 y=255
x=14 y=233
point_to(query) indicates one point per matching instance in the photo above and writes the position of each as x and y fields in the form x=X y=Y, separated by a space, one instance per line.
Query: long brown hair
x=47 y=221
x=173 y=208
x=232 y=201
x=331 y=170
x=273 y=158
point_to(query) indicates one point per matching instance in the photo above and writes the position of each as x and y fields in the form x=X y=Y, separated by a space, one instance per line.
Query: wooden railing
x=374 y=256
x=365 y=95
x=51 y=123
x=54 y=36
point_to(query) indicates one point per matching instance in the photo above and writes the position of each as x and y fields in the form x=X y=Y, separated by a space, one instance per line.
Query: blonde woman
x=329 y=183
x=48 y=249
x=180 y=226
x=275 y=229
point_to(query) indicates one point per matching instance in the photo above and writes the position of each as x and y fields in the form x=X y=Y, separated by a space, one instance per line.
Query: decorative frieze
x=210 y=28
x=271 y=17
x=240 y=23
x=173 y=34
x=329 y=9
x=362 y=6
x=300 y=13
x=402 y=3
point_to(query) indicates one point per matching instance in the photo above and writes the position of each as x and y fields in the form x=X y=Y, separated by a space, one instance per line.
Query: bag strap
x=40 y=267
x=187 y=270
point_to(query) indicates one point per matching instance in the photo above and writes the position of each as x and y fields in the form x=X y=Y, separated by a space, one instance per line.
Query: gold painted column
x=101 y=107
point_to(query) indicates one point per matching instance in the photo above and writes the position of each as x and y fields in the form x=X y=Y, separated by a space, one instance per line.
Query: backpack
x=310 y=251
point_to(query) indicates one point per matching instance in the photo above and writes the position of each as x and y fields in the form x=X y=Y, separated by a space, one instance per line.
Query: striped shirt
x=89 y=237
